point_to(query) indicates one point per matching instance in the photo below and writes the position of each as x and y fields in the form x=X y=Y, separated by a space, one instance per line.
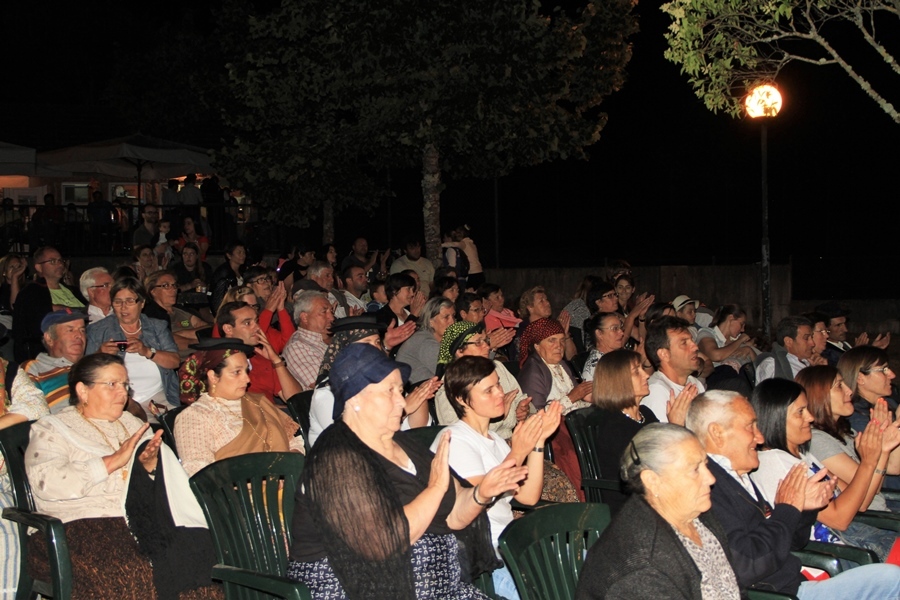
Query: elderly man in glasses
x=95 y=284
x=46 y=294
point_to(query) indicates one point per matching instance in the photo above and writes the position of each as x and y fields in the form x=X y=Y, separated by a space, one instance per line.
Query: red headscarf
x=535 y=333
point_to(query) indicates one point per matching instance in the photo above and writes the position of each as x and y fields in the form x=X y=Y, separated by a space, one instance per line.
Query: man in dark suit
x=761 y=537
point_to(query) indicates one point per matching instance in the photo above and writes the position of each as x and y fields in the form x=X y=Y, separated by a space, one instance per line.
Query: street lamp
x=763 y=102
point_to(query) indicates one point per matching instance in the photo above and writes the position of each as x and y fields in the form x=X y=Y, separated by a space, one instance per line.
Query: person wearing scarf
x=378 y=516
x=546 y=376
x=362 y=329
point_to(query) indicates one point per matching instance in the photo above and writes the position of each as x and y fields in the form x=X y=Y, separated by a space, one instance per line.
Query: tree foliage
x=330 y=91
x=727 y=46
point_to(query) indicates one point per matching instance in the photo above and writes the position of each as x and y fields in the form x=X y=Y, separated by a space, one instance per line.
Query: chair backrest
x=298 y=407
x=167 y=422
x=13 y=442
x=545 y=549
x=248 y=501
x=583 y=425
x=423 y=435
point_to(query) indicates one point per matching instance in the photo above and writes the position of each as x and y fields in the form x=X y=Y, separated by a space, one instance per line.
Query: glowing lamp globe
x=763 y=101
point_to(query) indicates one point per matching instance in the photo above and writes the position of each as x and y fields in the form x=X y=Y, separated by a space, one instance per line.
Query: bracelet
x=475 y=498
x=278 y=364
x=881 y=472
x=538 y=449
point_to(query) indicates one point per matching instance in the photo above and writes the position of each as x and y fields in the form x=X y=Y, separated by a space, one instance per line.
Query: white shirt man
x=792 y=355
x=671 y=348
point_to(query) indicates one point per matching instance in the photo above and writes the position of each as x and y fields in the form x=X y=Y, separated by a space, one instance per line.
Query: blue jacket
x=154 y=333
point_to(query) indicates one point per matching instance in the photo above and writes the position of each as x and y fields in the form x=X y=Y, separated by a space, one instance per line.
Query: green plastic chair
x=582 y=424
x=249 y=514
x=13 y=443
x=545 y=549
x=167 y=423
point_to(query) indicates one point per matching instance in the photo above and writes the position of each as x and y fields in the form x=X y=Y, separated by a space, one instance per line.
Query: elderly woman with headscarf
x=227 y=420
x=362 y=329
x=546 y=376
x=378 y=516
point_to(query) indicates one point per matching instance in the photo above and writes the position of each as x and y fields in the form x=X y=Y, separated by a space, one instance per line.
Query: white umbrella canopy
x=140 y=156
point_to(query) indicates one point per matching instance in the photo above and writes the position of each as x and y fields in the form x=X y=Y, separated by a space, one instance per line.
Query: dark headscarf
x=535 y=333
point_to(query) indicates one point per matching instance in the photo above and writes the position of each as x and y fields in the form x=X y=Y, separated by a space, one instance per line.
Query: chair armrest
x=827 y=562
x=516 y=505
x=860 y=556
x=29 y=519
x=763 y=595
x=271 y=584
x=54 y=534
x=879 y=519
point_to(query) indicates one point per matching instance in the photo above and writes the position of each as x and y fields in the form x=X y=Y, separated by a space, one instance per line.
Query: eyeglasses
x=476 y=309
x=485 y=342
x=104 y=286
x=125 y=301
x=53 y=261
x=112 y=385
x=820 y=331
x=613 y=328
x=260 y=280
x=883 y=370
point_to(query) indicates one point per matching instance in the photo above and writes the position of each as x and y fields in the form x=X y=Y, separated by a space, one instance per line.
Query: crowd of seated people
x=97 y=361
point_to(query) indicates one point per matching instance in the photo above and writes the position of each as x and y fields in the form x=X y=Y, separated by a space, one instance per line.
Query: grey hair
x=315 y=269
x=304 y=301
x=650 y=449
x=89 y=278
x=713 y=406
x=432 y=309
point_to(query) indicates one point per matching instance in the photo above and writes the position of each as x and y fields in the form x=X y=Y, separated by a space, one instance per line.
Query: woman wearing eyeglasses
x=145 y=344
x=163 y=289
x=606 y=330
x=122 y=495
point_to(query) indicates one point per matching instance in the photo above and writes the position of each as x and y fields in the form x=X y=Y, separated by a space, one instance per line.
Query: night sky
x=668 y=182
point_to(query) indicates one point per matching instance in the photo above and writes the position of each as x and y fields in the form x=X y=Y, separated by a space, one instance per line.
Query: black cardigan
x=760 y=547
x=639 y=556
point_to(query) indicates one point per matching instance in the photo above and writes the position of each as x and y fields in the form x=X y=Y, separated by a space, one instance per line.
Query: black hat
x=357 y=366
x=366 y=321
x=223 y=344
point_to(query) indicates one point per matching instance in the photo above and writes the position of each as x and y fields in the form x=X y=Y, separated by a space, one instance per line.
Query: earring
x=212 y=390
x=356 y=407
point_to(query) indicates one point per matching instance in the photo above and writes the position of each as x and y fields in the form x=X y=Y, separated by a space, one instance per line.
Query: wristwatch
x=152 y=353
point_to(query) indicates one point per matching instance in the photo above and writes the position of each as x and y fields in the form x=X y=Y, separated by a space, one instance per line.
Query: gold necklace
x=106 y=439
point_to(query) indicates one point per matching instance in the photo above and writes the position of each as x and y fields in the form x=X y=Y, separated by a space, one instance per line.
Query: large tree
x=330 y=90
x=728 y=46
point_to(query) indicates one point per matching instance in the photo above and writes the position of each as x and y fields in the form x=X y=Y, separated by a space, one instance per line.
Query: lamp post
x=763 y=102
